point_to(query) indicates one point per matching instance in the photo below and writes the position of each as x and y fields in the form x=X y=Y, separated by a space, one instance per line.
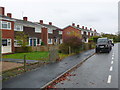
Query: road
x=99 y=71
x=44 y=74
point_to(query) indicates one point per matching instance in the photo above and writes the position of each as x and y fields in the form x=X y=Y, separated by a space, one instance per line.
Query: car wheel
x=108 y=51
x=96 y=51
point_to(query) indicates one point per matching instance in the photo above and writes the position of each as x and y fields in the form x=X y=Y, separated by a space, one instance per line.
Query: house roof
x=19 y=21
x=79 y=28
x=49 y=26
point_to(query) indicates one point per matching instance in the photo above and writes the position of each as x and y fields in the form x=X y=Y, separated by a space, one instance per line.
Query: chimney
x=86 y=28
x=41 y=21
x=2 y=11
x=78 y=26
x=95 y=30
x=90 y=29
x=82 y=27
x=73 y=24
x=50 y=23
x=9 y=15
x=25 y=18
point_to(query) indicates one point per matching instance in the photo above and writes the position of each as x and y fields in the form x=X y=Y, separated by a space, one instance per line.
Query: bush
x=73 y=43
x=64 y=48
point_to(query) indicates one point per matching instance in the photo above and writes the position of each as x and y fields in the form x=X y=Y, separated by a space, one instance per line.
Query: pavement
x=99 y=71
x=44 y=74
x=18 y=60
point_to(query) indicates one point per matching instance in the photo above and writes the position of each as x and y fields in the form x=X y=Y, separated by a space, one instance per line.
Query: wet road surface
x=40 y=76
x=99 y=71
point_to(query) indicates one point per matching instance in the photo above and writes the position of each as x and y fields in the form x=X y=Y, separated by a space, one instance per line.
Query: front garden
x=38 y=55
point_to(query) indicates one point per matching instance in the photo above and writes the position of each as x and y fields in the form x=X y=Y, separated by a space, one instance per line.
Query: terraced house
x=83 y=32
x=37 y=32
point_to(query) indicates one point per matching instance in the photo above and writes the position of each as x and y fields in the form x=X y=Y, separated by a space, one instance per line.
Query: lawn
x=29 y=55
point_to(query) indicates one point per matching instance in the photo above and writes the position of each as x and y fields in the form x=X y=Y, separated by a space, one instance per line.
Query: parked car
x=103 y=44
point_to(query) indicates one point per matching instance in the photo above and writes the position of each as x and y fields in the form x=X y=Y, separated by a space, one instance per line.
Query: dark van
x=103 y=45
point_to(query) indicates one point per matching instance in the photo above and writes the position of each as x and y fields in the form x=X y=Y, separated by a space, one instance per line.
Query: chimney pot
x=73 y=24
x=50 y=23
x=78 y=26
x=9 y=15
x=41 y=21
x=2 y=11
x=82 y=27
x=25 y=18
x=91 y=29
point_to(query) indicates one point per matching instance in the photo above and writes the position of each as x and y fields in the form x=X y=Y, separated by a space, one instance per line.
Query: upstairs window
x=18 y=28
x=50 y=30
x=38 y=29
x=6 y=25
x=60 y=32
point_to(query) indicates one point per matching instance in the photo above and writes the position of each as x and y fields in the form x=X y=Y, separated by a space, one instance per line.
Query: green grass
x=29 y=55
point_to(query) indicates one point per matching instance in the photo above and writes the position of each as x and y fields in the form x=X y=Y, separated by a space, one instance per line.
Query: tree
x=21 y=38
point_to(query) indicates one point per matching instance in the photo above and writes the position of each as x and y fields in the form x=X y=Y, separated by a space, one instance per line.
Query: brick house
x=54 y=34
x=84 y=33
x=37 y=32
x=7 y=31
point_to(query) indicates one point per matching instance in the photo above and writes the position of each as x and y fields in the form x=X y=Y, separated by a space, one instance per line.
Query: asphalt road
x=44 y=74
x=99 y=71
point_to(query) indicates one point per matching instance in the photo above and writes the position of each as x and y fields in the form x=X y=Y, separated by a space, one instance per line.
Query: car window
x=102 y=41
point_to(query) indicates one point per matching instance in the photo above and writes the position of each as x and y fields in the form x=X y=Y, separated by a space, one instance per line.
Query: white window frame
x=16 y=43
x=61 y=41
x=38 y=29
x=51 y=41
x=50 y=30
x=5 y=22
x=20 y=26
x=8 y=40
x=60 y=32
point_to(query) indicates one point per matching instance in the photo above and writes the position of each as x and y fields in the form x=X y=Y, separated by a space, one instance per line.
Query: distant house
x=83 y=33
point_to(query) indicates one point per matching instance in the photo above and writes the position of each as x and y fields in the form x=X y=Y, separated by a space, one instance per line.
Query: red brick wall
x=44 y=35
x=68 y=30
x=9 y=34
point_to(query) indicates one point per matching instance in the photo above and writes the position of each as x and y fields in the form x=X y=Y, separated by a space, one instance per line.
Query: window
x=60 y=41
x=6 y=42
x=50 y=30
x=68 y=32
x=60 y=32
x=17 y=42
x=18 y=28
x=38 y=29
x=49 y=41
x=6 y=25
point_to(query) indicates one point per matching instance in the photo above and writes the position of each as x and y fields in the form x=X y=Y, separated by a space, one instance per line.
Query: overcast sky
x=101 y=15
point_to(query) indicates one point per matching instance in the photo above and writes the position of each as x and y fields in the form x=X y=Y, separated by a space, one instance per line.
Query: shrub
x=73 y=43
